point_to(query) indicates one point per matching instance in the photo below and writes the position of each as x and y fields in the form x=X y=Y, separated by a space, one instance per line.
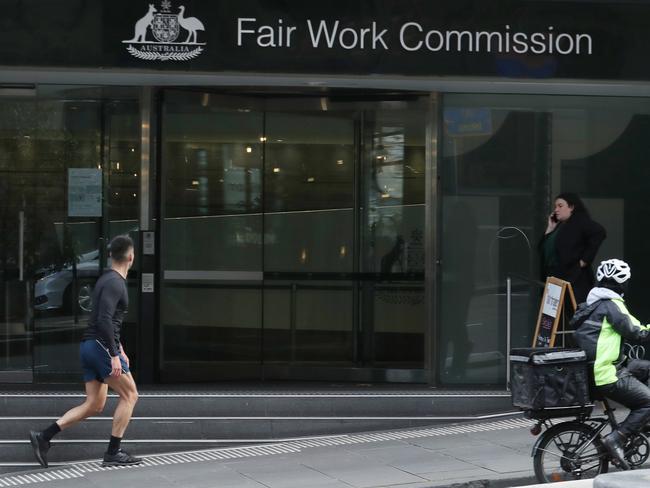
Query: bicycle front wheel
x=560 y=455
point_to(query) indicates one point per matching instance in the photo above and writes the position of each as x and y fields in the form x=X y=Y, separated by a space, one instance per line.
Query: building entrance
x=293 y=236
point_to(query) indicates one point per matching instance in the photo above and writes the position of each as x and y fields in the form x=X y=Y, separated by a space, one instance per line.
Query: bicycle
x=572 y=450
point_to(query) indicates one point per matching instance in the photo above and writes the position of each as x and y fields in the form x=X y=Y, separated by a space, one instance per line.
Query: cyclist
x=602 y=324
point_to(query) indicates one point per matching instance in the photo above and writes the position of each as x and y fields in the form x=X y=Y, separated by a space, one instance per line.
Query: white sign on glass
x=84 y=192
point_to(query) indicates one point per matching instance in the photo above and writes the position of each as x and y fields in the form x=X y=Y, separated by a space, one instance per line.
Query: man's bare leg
x=126 y=389
x=95 y=400
x=96 y=394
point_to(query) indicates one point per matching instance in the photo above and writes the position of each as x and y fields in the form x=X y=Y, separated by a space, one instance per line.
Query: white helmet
x=613 y=269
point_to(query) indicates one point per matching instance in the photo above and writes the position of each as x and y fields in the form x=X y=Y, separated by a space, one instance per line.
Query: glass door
x=392 y=245
x=292 y=238
x=309 y=189
x=211 y=246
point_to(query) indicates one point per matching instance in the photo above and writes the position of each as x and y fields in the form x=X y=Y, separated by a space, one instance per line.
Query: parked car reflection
x=54 y=290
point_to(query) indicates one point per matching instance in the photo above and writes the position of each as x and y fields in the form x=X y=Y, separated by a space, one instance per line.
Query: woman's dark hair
x=119 y=248
x=574 y=201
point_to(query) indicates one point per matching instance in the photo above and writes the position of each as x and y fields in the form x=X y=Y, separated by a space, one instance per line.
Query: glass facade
x=292 y=228
x=504 y=159
x=69 y=164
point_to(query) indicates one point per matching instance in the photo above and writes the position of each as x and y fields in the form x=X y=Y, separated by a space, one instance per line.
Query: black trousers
x=632 y=391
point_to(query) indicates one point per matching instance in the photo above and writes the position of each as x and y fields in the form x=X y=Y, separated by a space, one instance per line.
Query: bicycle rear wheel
x=557 y=458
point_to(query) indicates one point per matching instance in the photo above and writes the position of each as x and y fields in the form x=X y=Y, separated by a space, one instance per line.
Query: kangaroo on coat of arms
x=143 y=24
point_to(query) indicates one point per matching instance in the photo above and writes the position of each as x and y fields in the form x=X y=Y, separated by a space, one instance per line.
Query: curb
x=487 y=483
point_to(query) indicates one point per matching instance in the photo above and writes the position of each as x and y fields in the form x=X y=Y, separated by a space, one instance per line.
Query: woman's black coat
x=578 y=238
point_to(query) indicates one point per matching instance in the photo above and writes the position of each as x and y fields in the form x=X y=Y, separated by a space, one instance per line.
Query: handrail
x=527 y=279
x=21 y=245
x=344 y=276
x=508 y=328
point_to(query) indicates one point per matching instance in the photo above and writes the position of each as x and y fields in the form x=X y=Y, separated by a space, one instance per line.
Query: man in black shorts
x=103 y=361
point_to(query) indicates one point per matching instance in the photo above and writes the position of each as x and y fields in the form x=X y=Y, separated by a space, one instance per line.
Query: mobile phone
x=553 y=217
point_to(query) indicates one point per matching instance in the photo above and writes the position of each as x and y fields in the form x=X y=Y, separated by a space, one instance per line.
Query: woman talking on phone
x=570 y=244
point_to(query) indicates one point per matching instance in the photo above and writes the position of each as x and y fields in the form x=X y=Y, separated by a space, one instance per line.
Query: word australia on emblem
x=156 y=35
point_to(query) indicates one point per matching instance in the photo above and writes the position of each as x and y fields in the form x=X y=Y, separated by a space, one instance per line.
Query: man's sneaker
x=40 y=446
x=614 y=445
x=120 y=458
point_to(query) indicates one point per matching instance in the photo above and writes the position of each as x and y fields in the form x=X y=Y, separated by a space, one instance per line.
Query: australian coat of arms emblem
x=156 y=35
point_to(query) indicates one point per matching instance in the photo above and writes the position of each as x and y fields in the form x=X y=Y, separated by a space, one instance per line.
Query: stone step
x=17 y=429
x=262 y=405
x=171 y=421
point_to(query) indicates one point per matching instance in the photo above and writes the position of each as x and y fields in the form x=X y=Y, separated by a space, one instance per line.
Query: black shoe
x=40 y=446
x=614 y=445
x=120 y=458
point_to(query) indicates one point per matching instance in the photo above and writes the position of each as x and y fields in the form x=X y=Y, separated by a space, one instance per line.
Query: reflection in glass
x=212 y=233
x=494 y=162
x=504 y=158
x=393 y=238
x=309 y=192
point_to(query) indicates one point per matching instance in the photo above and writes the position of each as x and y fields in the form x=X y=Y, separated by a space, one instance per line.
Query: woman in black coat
x=570 y=244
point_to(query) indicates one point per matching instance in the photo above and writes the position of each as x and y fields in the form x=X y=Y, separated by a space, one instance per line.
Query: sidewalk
x=497 y=450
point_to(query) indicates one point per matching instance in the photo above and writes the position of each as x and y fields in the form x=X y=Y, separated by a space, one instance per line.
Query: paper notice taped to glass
x=84 y=192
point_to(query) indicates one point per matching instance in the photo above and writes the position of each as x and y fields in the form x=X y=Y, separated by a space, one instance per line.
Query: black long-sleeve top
x=110 y=301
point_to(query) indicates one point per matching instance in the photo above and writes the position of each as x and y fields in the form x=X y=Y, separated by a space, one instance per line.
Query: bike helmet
x=613 y=269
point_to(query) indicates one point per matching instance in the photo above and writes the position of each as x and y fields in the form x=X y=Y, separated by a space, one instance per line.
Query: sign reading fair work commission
x=412 y=36
x=540 y=39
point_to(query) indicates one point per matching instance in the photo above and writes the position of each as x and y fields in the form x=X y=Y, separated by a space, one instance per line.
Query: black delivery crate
x=549 y=378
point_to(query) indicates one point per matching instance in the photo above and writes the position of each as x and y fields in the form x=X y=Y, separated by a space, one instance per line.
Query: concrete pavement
x=494 y=453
